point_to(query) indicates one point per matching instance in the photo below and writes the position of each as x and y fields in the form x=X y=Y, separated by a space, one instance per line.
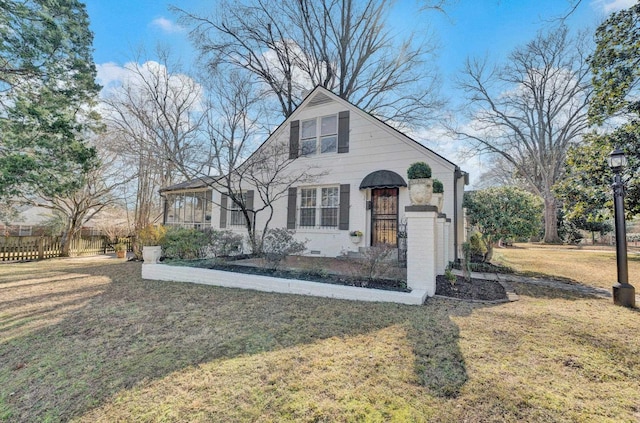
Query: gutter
x=457 y=174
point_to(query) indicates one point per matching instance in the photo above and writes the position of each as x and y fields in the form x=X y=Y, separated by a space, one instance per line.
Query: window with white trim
x=322 y=213
x=323 y=141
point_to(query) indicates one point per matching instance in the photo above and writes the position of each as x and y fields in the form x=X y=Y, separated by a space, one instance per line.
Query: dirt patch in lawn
x=473 y=289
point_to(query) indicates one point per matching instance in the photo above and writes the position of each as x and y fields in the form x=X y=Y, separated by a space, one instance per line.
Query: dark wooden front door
x=384 y=216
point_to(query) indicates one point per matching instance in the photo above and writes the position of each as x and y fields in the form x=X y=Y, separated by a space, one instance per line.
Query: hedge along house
x=361 y=164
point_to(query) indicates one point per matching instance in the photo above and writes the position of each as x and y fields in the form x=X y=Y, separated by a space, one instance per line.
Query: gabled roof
x=202 y=182
x=320 y=95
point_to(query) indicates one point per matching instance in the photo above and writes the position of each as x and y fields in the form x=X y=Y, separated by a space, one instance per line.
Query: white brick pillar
x=421 y=248
x=441 y=246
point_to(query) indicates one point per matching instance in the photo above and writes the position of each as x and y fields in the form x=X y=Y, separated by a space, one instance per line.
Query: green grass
x=88 y=340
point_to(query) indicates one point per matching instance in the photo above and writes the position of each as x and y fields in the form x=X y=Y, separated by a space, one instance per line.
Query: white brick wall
x=421 y=257
x=163 y=272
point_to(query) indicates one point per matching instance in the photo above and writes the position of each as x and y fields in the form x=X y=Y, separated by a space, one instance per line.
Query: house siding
x=372 y=146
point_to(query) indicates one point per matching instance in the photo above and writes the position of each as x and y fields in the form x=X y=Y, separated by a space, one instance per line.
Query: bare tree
x=239 y=163
x=154 y=120
x=530 y=110
x=292 y=46
x=77 y=208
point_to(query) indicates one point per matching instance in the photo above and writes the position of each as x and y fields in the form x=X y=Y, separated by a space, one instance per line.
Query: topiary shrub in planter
x=420 y=183
x=437 y=199
x=419 y=170
x=438 y=187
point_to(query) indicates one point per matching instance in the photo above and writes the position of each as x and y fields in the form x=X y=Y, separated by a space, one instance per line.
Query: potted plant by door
x=420 y=183
x=121 y=250
x=437 y=198
x=356 y=236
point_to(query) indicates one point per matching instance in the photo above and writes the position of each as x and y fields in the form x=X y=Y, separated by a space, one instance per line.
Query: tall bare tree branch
x=530 y=110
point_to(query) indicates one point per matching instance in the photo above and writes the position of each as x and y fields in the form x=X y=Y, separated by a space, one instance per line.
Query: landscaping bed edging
x=164 y=272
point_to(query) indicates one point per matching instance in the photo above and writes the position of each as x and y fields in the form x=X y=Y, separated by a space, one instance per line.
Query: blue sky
x=470 y=28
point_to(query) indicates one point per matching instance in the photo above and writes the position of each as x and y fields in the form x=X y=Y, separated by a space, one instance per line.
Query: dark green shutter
x=291 y=208
x=223 y=210
x=294 y=139
x=249 y=204
x=343 y=132
x=345 y=191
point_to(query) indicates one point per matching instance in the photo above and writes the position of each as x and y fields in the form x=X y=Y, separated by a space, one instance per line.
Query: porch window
x=188 y=209
x=324 y=141
x=323 y=213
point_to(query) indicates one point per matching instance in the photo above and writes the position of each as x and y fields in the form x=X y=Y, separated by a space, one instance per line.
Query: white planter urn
x=420 y=191
x=437 y=199
x=151 y=254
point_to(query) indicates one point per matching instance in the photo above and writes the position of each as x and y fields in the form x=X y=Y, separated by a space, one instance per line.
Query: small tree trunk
x=489 y=255
x=551 y=220
x=65 y=245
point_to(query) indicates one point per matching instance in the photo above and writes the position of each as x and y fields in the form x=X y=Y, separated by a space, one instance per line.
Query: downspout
x=457 y=174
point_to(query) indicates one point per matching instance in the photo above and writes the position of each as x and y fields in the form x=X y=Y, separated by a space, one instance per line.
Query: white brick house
x=363 y=186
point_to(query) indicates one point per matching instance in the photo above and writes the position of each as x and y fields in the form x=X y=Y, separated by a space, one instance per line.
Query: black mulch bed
x=474 y=289
x=387 y=284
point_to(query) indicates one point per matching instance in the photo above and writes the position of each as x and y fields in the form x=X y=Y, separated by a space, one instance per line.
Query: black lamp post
x=623 y=293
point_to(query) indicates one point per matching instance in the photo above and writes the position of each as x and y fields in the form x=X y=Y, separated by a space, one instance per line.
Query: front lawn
x=88 y=340
x=593 y=267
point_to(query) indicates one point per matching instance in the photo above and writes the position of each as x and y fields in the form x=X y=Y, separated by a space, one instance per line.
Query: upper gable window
x=319 y=135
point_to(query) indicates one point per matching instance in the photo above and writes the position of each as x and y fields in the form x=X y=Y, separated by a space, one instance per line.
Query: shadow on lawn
x=133 y=331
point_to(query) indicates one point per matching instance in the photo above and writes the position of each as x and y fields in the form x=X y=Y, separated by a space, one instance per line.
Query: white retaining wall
x=163 y=272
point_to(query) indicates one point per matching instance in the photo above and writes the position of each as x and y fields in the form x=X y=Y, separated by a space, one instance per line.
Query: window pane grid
x=236 y=217
x=188 y=209
x=326 y=141
x=322 y=214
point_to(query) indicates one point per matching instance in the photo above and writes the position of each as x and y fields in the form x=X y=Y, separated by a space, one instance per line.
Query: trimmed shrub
x=224 y=243
x=152 y=235
x=185 y=243
x=278 y=244
x=477 y=248
x=419 y=170
x=438 y=187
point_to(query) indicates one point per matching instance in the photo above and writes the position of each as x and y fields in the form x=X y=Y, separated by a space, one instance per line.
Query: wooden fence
x=18 y=248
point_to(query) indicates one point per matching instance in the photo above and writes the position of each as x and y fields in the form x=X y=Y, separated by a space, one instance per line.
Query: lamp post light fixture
x=623 y=293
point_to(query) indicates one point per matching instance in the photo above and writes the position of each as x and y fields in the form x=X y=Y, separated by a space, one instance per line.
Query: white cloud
x=110 y=75
x=133 y=75
x=166 y=25
x=609 y=6
x=441 y=141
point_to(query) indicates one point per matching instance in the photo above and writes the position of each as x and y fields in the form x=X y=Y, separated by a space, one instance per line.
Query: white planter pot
x=356 y=239
x=151 y=254
x=420 y=191
x=437 y=199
